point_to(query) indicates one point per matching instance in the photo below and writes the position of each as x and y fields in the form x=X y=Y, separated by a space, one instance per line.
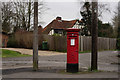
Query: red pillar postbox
x=72 y=50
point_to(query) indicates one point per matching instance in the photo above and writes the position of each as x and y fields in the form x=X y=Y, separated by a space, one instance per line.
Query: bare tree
x=19 y=15
x=7 y=16
x=102 y=7
x=29 y=14
x=21 y=9
x=115 y=24
x=0 y=22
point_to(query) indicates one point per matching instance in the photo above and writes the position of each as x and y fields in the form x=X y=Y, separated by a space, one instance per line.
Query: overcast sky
x=70 y=10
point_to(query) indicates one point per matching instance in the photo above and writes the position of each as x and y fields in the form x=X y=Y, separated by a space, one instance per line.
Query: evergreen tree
x=86 y=13
x=118 y=30
x=105 y=29
x=86 y=18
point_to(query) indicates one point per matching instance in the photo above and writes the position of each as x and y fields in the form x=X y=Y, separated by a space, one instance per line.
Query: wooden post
x=0 y=40
x=79 y=47
x=81 y=40
x=118 y=20
x=35 y=39
x=118 y=31
x=94 y=35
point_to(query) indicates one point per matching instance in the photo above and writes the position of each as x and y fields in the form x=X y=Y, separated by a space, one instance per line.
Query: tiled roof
x=58 y=24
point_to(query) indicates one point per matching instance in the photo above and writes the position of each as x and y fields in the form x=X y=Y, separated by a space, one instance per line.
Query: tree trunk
x=94 y=55
x=29 y=13
x=35 y=39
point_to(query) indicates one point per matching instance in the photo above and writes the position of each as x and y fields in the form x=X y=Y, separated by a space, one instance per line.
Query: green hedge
x=118 y=44
x=12 y=42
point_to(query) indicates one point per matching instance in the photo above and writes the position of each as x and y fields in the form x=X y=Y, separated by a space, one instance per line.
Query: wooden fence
x=59 y=43
x=103 y=43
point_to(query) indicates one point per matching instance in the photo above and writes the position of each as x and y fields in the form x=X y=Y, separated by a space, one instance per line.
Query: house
x=40 y=29
x=58 y=26
x=4 y=39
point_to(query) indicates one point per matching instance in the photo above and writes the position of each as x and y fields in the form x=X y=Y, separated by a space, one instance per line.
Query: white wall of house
x=51 y=32
x=77 y=26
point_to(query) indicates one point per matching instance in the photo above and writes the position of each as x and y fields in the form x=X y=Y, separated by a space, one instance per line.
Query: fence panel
x=103 y=43
x=112 y=43
x=59 y=43
x=50 y=40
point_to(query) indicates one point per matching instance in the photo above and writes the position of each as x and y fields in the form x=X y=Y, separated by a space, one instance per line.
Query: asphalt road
x=52 y=66
x=107 y=61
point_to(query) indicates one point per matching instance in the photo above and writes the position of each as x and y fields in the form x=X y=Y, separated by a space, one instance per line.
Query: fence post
x=109 y=43
x=81 y=43
x=54 y=39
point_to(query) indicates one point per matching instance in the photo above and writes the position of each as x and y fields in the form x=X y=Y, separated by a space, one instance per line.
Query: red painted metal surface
x=72 y=45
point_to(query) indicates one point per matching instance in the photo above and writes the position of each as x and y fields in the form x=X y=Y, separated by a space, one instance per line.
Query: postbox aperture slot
x=72 y=42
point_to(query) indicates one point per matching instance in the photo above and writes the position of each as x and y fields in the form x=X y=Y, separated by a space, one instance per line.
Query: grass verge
x=9 y=53
x=81 y=72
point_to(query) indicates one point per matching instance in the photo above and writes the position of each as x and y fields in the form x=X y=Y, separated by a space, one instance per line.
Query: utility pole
x=118 y=30
x=35 y=38
x=94 y=55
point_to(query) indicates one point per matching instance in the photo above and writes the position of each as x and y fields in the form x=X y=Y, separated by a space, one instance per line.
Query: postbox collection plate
x=72 y=42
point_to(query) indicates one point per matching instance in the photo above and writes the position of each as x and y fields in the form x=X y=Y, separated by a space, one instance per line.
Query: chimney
x=40 y=29
x=58 y=18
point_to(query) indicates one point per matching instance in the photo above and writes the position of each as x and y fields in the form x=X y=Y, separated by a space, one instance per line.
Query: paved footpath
x=53 y=64
x=30 y=52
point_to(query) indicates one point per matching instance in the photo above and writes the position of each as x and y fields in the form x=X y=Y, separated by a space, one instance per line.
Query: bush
x=118 y=44
x=12 y=42
x=55 y=34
